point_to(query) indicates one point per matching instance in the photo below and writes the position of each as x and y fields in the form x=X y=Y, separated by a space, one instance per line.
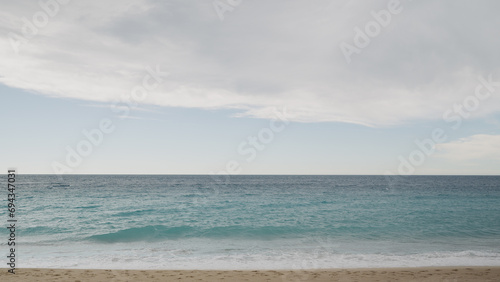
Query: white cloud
x=263 y=55
x=475 y=147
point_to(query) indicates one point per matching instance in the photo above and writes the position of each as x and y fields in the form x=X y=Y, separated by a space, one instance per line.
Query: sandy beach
x=454 y=274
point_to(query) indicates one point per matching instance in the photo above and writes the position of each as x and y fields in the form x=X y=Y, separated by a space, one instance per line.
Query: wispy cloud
x=475 y=147
x=416 y=68
x=143 y=108
x=139 y=118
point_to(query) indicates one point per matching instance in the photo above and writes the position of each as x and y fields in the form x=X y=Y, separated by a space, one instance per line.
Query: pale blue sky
x=227 y=76
x=194 y=141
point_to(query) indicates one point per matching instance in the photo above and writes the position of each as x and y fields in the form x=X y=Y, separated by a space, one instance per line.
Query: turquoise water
x=256 y=222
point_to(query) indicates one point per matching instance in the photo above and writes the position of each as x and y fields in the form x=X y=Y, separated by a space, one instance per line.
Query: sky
x=250 y=87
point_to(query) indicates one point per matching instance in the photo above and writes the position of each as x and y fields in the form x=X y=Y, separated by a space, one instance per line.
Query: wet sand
x=450 y=274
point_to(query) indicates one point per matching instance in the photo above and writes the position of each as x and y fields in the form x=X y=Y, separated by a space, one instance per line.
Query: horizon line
x=215 y=174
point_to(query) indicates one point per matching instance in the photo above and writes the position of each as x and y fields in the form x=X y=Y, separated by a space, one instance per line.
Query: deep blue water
x=237 y=222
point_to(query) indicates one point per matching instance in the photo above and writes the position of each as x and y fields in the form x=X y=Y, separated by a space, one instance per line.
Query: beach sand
x=450 y=274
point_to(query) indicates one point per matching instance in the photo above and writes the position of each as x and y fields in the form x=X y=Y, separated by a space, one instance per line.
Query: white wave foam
x=186 y=259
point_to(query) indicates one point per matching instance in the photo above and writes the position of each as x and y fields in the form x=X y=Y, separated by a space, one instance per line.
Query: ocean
x=254 y=222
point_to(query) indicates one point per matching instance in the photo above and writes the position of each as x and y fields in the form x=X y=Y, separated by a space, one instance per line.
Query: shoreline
x=445 y=273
